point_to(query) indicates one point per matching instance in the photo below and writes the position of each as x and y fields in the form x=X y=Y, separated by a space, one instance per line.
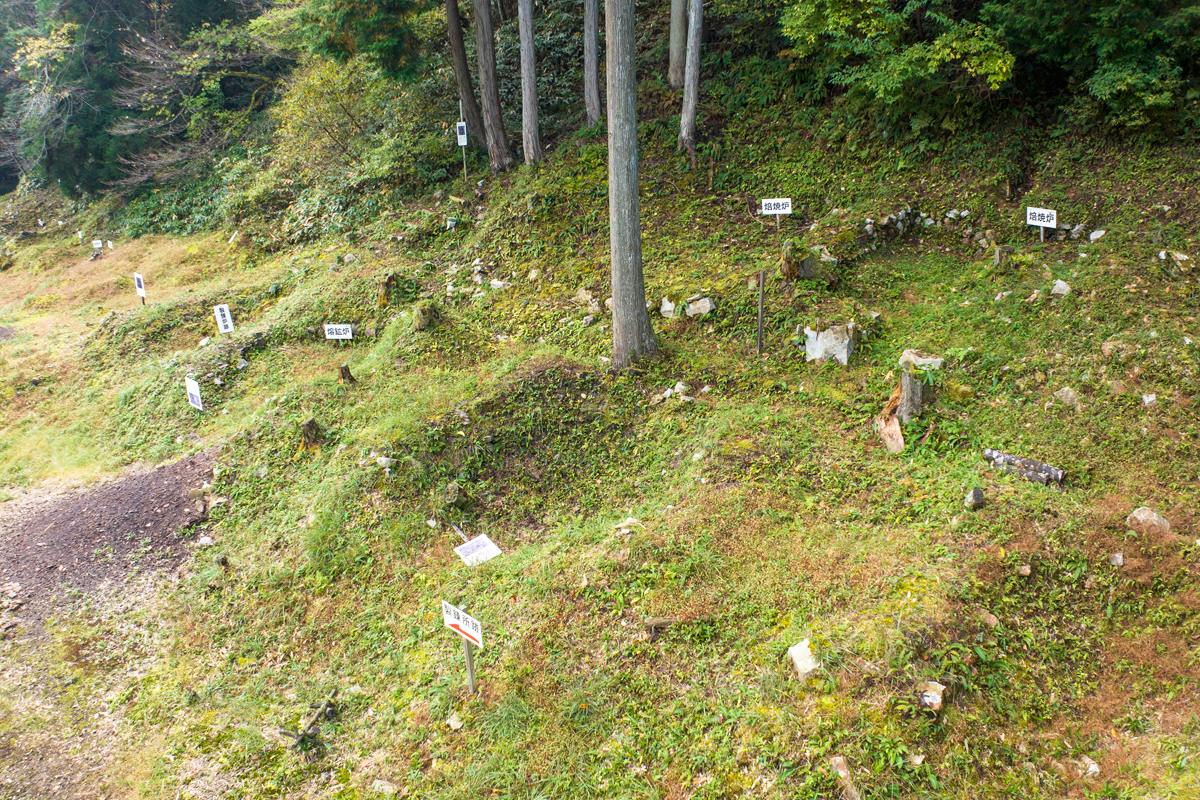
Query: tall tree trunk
x=591 y=60
x=632 y=335
x=529 y=96
x=691 y=83
x=499 y=155
x=462 y=74
x=679 y=28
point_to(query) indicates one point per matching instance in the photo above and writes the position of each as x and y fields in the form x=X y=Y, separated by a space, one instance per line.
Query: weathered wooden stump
x=344 y=375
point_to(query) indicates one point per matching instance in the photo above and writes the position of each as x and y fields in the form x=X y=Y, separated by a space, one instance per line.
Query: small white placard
x=139 y=283
x=193 y=393
x=339 y=332
x=110 y=247
x=462 y=623
x=97 y=244
x=1041 y=217
x=777 y=205
x=461 y=129
x=224 y=318
x=478 y=550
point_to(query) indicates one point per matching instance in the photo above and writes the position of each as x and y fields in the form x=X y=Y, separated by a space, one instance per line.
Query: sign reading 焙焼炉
x=1041 y=217
x=777 y=205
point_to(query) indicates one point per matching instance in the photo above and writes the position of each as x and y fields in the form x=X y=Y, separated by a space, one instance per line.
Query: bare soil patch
x=83 y=540
x=7 y=333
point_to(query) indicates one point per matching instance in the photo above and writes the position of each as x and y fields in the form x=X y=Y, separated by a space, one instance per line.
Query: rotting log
x=1027 y=468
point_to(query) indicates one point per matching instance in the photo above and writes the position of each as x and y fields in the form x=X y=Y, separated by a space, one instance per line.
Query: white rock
x=534 y=275
x=1147 y=522
x=1096 y=235
x=384 y=788
x=385 y=462
x=1149 y=399
x=1001 y=296
x=699 y=454
x=1117 y=559
x=920 y=361
x=1060 y=289
x=703 y=306
x=1087 y=767
x=836 y=342
x=204 y=541
x=608 y=304
x=1067 y=396
x=454 y=722
x=803 y=660
x=931 y=693
x=499 y=284
x=431 y=523
x=682 y=388
x=667 y=308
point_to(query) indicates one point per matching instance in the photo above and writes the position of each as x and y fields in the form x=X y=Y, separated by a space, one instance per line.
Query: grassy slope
x=769 y=511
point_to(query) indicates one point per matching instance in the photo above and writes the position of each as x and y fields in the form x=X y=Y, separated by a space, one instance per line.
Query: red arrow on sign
x=463 y=633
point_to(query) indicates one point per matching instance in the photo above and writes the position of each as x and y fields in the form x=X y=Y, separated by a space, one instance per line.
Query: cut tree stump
x=310 y=434
x=344 y=375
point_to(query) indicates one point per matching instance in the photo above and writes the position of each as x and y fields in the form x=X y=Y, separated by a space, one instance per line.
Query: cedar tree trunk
x=462 y=74
x=529 y=95
x=591 y=60
x=499 y=155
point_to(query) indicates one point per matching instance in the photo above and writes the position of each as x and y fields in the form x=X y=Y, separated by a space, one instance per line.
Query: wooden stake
x=761 y=284
x=469 y=652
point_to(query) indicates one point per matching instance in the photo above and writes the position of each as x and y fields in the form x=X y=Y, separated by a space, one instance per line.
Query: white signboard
x=461 y=128
x=224 y=318
x=462 y=623
x=193 y=393
x=1042 y=217
x=97 y=244
x=139 y=283
x=777 y=205
x=110 y=247
x=339 y=332
x=477 y=551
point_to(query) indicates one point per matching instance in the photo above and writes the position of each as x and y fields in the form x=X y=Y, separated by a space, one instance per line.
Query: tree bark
x=591 y=60
x=499 y=155
x=691 y=82
x=462 y=74
x=679 y=26
x=530 y=139
x=632 y=335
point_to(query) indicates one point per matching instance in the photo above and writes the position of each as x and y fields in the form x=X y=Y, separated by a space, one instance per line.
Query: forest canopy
x=116 y=95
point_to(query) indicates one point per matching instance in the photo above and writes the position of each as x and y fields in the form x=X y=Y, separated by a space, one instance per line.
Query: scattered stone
x=535 y=275
x=349 y=258
x=1118 y=388
x=454 y=722
x=1117 y=559
x=919 y=360
x=588 y=321
x=699 y=308
x=456 y=496
x=385 y=462
x=1096 y=235
x=384 y=788
x=1000 y=297
x=1067 y=396
x=1149 y=400
x=974 y=499
x=666 y=308
x=682 y=388
x=1147 y=522
x=608 y=303
x=836 y=342
x=1088 y=768
x=1024 y=570
x=195 y=494
x=499 y=284
x=1027 y=468
x=204 y=341
x=840 y=768
x=929 y=695
x=1077 y=231
x=204 y=541
x=1060 y=289
x=802 y=658
x=243 y=365
x=990 y=619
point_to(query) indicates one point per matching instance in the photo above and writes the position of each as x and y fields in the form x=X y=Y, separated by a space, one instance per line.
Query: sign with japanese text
x=461 y=129
x=478 y=550
x=224 y=318
x=193 y=393
x=339 y=332
x=1042 y=217
x=777 y=205
x=462 y=623
x=139 y=283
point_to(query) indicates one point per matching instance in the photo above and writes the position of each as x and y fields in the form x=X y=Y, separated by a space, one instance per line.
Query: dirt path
x=83 y=540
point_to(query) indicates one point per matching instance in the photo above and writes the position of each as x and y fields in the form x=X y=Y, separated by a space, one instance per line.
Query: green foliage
x=383 y=31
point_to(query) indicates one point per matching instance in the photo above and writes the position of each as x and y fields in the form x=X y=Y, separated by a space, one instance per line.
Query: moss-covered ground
x=767 y=509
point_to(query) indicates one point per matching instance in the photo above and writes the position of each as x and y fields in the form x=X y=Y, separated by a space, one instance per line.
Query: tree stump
x=385 y=291
x=344 y=375
x=911 y=404
x=310 y=434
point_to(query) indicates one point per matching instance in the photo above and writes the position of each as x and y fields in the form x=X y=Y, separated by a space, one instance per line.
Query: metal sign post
x=471 y=632
x=139 y=283
x=1043 y=218
x=776 y=206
